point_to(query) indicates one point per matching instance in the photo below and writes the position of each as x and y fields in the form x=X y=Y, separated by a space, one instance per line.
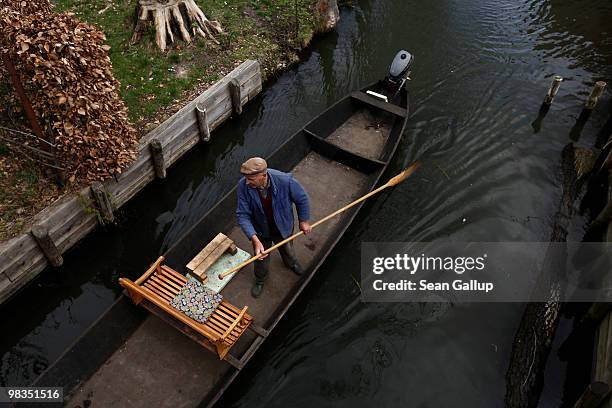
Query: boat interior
x=338 y=157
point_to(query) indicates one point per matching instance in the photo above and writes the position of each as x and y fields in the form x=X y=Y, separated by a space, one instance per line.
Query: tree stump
x=327 y=15
x=173 y=18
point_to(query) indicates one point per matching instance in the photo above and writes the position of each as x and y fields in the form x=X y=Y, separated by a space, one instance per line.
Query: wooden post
x=203 y=122
x=46 y=142
x=593 y=396
x=157 y=155
x=234 y=87
x=595 y=94
x=554 y=88
x=47 y=246
x=103 y=201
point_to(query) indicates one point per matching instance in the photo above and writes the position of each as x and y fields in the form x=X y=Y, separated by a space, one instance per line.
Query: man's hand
x=305 y=227
x=258 y=247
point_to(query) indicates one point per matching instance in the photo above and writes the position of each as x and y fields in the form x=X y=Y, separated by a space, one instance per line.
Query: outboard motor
x=399 y=71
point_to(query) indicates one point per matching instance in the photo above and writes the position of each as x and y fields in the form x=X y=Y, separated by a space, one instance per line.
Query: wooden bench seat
x=156 y=288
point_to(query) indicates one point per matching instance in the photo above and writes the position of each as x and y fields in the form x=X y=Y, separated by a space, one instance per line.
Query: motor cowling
x=399 y=70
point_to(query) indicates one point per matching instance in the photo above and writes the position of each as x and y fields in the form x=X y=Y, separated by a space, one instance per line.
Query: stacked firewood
x=65 y=69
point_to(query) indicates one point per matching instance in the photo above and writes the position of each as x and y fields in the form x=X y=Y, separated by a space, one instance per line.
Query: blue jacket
x=285 y=191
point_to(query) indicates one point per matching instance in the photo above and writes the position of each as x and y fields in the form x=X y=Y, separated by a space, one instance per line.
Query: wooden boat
x=338 y=157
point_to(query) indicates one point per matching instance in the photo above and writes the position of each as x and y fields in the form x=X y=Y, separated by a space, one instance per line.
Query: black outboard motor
x=399 y=71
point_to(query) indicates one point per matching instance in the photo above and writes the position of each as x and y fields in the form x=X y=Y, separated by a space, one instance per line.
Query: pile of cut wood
x=65 y=69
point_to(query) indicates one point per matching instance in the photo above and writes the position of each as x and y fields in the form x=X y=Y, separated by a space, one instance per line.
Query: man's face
x=256 y=180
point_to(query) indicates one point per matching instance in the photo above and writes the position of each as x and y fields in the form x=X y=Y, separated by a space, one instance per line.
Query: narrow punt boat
x=337 y=157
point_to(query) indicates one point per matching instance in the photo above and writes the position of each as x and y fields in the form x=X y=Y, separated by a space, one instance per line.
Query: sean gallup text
x=471 y=285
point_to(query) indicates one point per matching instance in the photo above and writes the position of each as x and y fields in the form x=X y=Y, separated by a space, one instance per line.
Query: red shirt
x=266 y=203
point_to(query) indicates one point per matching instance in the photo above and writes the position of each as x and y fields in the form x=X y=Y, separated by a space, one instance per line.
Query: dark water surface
x=482 y=69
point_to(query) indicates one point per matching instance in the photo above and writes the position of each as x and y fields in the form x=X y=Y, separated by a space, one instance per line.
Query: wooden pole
x=392 y=182
x=104 y=203
x=234 y=87
x=202 y=116
x=157 y=155
x=554 y=88
x=595 y=94
x=45 y=143
x=593 y=396
x=46 y=244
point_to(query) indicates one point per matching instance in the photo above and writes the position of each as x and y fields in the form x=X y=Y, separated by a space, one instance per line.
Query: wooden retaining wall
x=71 y=218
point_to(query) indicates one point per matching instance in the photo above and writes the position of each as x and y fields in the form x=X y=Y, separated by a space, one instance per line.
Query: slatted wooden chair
x=156 y=288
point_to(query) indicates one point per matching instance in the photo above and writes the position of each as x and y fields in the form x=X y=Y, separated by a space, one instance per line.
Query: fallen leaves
x=67 y=73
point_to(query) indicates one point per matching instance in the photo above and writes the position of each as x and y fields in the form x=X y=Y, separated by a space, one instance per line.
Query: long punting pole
x=392 y=182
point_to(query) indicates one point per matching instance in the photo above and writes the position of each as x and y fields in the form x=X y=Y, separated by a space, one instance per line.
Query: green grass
x=151 y=79
x=22 y=194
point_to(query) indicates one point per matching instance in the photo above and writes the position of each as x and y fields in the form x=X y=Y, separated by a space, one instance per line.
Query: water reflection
x=482 y=69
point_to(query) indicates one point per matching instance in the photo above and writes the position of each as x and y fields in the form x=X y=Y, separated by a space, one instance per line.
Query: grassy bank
x=151 y=80
x=24 y=191
x=155 y=84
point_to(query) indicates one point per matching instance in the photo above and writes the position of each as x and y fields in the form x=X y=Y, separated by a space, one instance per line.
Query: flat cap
x=253 y=166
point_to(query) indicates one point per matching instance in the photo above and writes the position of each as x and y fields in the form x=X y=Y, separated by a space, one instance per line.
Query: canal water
x=490 y=173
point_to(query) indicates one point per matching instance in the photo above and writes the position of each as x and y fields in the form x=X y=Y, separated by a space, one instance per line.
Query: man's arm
x=244 y=213
x=302 y=204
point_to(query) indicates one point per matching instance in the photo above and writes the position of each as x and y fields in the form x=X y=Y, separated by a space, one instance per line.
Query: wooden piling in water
x=203 y=127
x=102 y=199
x=234 y=87
x=593 y=396
x=595 y=95
x=157 y=155
x=554 y=88
x=46 y=244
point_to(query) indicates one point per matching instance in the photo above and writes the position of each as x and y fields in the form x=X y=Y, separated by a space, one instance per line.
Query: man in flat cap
x=265 y=214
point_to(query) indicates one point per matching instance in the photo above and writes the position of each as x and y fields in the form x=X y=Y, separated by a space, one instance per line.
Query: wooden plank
x=172 y=277
x=169 y=281
x=200 y=271
x=215 y=326
x=16 y=254
x=174 y=273
x=157 y=292
x=206 y=251
x=160 y=290
x=75 y=231
x=224 y=316
x=260 y=331
x=229 y=330
x=5 y=283
x=209 y=255
x=228 y=305
x=169 y=290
